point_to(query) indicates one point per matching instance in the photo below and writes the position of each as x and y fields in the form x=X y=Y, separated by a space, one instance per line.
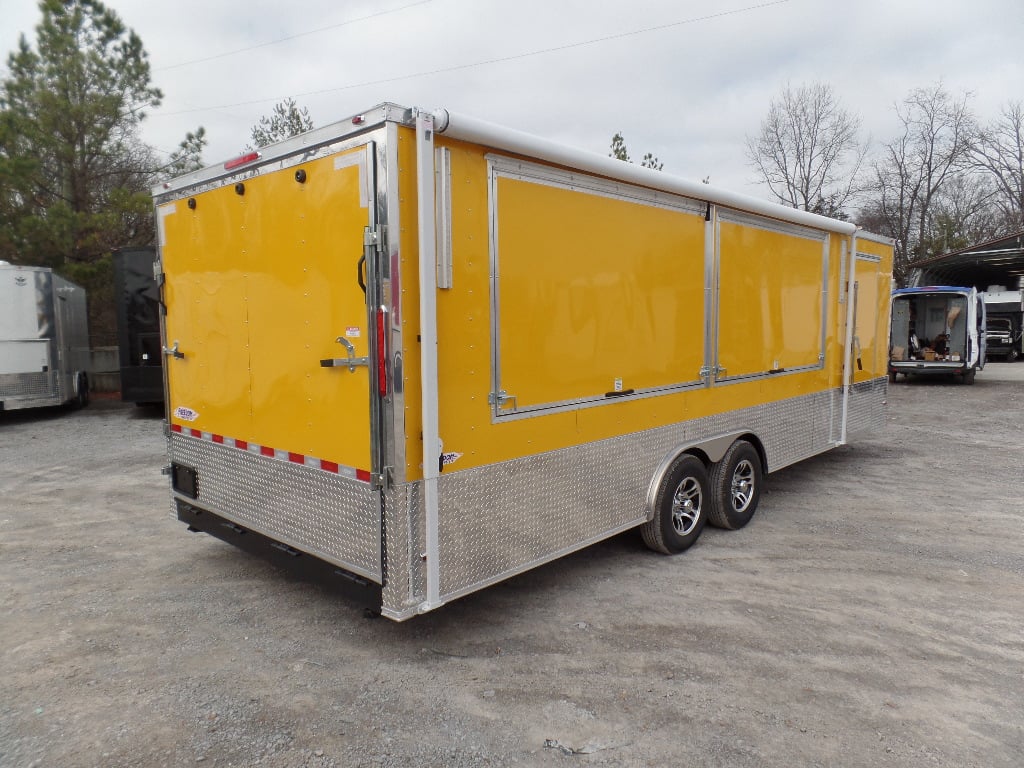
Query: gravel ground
x=870 y=615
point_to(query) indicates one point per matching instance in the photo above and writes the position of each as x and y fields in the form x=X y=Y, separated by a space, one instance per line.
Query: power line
x=289 y=37
x=486 y=62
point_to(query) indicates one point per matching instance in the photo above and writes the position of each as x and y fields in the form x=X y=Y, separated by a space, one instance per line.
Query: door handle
x=359 y=273
x=349 y=362
x=174 y=352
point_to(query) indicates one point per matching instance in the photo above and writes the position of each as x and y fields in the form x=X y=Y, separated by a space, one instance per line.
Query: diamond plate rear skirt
x=28 y=385
x=329 y=516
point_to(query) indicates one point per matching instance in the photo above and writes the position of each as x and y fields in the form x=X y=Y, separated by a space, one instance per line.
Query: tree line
x=947 y=180
x=75 y=175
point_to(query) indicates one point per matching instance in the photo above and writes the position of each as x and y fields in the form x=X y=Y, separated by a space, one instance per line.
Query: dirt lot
x=872 y=614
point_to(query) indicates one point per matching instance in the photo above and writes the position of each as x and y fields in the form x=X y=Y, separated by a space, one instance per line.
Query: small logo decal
x=449 y=458
x=20 y=280
x=185 y=414
x=353 y=332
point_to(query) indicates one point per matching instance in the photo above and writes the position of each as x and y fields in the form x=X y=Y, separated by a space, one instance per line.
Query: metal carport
x=996 y=262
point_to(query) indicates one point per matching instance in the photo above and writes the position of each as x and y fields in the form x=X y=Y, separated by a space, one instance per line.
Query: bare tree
x=962 y=214
x=933 y=147
x=809 y=150
x=999 y=152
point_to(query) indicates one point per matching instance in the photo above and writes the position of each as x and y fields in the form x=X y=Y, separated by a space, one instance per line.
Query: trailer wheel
x=969 y=374
x=680 y=507
x=735 y=486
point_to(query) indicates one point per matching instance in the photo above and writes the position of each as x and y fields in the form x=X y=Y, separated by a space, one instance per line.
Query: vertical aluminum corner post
x=710 y=367
x=851 y=281
x=426 y=219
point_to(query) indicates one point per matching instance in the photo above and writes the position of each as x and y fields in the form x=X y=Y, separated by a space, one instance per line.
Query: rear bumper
x=928 y=367
x=302 y=564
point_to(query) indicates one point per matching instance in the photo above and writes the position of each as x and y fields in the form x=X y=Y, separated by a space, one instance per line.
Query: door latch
x=502 y=399
x=349 y=362
x=174 y=352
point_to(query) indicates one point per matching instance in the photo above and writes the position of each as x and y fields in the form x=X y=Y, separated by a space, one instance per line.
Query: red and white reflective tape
x=275 y=453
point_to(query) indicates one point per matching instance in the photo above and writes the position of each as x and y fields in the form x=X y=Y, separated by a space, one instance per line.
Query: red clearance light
x=382 y=356
x=358 y=120
x=241 y=160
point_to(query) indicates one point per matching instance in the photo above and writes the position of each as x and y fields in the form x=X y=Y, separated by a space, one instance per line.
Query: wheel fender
x=709 y=450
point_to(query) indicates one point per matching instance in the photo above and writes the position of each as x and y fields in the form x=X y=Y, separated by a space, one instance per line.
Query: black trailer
x=1005 y=309
x=138 y=325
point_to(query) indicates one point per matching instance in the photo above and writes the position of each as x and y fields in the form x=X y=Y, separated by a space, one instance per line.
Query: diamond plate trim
x=331 y=517
x=37 y=384
x=867 y=405
x=502 y=519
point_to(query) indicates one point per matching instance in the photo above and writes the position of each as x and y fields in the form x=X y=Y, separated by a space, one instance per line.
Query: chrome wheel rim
x=686 y=506
x=742 y=486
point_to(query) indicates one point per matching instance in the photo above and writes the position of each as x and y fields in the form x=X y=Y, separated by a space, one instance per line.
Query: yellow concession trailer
x=413 y=353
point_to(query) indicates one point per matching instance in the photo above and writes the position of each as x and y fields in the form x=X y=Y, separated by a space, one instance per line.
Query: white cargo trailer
x=44 y=339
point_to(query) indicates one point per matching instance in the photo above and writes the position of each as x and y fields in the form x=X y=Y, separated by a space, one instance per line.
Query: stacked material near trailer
x=413 y=353
x=138 y=325
x=937 y=331
x=44 y=339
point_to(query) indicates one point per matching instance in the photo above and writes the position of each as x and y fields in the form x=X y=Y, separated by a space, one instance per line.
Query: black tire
x=968 y=377
x=735 y=486
x=892 y=377
x=1012 y=356
x=680 y=507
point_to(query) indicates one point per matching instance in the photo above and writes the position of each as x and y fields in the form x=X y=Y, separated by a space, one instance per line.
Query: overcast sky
x=685 y=80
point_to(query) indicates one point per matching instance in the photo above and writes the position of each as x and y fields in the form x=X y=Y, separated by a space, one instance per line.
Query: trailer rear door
x=261 y=281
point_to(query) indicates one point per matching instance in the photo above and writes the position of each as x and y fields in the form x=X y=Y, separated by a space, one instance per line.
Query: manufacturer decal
x=20 y=280
x=449 y=458
x=353 y=332
x=185 y=414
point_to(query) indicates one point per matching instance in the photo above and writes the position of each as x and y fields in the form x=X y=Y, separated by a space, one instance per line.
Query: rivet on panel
x=300 y=176
x=239 y=188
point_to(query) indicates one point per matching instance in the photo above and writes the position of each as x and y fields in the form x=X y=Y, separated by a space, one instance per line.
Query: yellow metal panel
x=304 y=242
x=769 y=300
x=874 y=285
x=464 y=347
x=866 y=325
x=206 y=313
x=593 y=289
x=259 y=287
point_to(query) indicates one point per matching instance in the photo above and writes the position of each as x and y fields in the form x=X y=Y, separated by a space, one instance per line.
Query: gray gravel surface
x=870 y=615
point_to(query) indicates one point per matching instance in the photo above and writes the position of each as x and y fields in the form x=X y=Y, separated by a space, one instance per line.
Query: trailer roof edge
x=468 y=128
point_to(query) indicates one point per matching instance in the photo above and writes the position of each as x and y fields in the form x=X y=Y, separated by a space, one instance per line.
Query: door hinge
x=381 y=479
x=374 y=236
x=706 y=371
x=502 y=399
